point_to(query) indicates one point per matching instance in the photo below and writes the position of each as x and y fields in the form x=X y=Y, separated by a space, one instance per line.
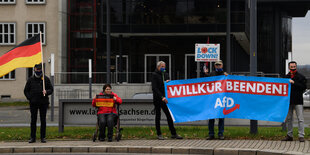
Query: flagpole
x=42 y=62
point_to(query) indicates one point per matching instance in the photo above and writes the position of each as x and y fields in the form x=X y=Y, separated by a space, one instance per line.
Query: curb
x=144 y=149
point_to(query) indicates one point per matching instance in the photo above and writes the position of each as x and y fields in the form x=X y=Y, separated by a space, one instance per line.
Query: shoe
x=101 y=139
x=160 y=137
x=288 y=138
x=221 y=138
x=109 y=139
x=32 y=140
x=176 y=136
x=210 y=138
x=301 y=139
x=43 y=140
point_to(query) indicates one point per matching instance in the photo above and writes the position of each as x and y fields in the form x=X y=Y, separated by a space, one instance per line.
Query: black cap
x=38 y=66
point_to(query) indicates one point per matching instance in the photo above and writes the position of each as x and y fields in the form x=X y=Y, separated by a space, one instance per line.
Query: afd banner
x=244 y=97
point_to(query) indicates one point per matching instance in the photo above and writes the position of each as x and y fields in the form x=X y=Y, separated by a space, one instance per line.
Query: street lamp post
x=253 y=51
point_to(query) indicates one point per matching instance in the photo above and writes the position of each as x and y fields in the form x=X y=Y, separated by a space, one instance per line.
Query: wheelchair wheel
x=119 y=134
x=94 y=137
x=117 y=137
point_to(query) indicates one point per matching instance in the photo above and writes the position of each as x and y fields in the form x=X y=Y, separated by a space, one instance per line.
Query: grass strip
x=7 y=104
x=148 y=132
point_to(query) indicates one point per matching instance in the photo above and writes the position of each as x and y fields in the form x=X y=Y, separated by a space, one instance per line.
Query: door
x=192 y=68
x=122 y=69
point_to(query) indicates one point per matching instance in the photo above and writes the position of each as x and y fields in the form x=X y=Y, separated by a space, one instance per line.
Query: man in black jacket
x=160 y=101
x=38 y=98
x=298 y=86
x=218 y=71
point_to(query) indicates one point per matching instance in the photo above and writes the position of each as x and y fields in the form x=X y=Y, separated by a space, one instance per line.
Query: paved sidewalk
x=214 y=147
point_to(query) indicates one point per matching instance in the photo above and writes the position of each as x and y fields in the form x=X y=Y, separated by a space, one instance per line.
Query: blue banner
x=244 y=97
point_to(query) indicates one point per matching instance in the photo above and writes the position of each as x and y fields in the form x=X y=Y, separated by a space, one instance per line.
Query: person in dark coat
x=160 y=101
x=298 y=86
x=38 y=99
x=218 y=71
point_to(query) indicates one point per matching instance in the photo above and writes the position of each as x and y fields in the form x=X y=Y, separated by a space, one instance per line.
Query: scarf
x=293 y=73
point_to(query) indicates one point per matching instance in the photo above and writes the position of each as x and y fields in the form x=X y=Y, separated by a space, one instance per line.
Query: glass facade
x=82 y=32
x=146 y=31
x=167 y=16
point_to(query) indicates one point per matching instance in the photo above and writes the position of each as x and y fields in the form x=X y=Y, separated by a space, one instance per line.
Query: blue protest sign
x=244 y=97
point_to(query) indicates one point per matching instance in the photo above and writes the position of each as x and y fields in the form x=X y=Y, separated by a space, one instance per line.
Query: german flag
x=24 y=55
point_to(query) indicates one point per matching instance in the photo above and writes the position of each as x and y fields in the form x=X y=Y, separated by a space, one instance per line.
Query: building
x=144 y=32
x=19 y=20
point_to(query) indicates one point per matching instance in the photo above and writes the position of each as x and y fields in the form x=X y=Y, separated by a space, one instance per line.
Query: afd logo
x=205 y=50
x=226 y=102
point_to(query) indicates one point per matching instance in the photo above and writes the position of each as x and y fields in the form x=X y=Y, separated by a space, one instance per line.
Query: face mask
x=219 y=70
x=38 y=73
x=292 y=70
x=162 y=70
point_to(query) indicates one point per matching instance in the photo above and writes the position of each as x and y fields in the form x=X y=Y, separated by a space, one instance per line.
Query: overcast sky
x=301 y=40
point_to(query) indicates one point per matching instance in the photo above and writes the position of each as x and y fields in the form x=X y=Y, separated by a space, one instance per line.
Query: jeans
x=106 y=120
x=158 y=106
x=220 y=125
x=300 y=117
x=34 y=107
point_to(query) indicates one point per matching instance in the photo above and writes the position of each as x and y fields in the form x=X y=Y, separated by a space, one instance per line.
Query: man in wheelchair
x=107 y=116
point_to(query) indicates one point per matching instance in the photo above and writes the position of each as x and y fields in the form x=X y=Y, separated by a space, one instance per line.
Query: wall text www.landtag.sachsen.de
x=131 y=111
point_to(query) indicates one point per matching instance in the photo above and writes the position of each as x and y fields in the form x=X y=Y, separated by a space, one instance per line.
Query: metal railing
x=100 y=77
x=258 y=74
x=124 y=77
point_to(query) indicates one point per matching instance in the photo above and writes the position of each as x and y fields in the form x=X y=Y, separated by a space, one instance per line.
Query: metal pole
x=108 y=42
x=61 y=117
x=120 y=70
x=101 y=18
x=253 y=51
x=228 y=37
x=90 y=77
x=53 y=83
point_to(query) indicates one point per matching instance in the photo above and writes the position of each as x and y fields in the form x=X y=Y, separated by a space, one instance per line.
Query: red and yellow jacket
x=106 y=110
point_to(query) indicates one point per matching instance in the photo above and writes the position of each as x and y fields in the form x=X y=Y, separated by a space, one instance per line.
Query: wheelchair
x=118 y=129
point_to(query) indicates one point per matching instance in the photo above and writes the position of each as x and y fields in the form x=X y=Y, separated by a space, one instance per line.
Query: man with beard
x=298 y=86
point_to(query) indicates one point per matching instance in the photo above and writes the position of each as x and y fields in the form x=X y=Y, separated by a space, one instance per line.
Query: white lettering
x=236 y=86
x=212 y=88
x=200 y=88
x=230 y=102
x=218 y=103
x=260 y=88
x=249 y=86
x=278 y=89
x=175 y=90
x=193 y=89
x=218 y=86
x=242 y=86
x=268 y=88
x=187 y=91
x=229 y=86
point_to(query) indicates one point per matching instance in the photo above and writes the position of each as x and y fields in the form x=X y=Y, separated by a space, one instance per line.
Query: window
x=35 y=1
x=10 y=76
x=7 y=33
x=7 y=2
x=35 y=28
